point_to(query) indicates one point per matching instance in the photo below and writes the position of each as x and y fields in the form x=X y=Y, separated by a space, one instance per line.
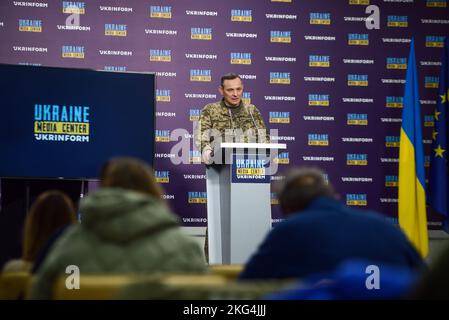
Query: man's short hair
x=300 y=187
x=229 y=76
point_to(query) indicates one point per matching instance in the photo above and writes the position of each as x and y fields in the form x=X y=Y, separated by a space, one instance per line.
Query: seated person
x=320 y=232
x=125 y=228
x=51 y=213
x=353 y=279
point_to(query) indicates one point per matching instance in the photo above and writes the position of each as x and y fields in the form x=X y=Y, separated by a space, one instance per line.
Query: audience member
x=49 y=215
x=353 y=280
x=125 y=228
x=319 y=233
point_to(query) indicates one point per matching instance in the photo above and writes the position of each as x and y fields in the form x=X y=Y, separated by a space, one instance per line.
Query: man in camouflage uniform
x=229 y=120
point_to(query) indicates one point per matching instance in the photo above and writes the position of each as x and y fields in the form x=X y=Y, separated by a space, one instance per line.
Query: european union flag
x=438 y=187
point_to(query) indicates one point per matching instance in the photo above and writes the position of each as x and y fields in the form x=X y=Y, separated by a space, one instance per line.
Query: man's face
x=232 y=91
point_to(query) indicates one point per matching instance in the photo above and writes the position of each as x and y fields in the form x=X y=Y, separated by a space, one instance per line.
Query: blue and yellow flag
x=437 y=196
x=412 y=196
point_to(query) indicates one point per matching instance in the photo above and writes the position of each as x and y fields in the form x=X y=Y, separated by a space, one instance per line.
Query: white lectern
x=238 y=200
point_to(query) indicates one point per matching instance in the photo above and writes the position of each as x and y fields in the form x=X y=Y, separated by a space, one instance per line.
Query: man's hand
x=207 y=156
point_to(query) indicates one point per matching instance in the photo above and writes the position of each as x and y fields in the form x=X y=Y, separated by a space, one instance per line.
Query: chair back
x=14 y=285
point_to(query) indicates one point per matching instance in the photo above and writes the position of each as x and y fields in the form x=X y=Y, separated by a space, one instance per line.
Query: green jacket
x=222 y=118
x=121 y=232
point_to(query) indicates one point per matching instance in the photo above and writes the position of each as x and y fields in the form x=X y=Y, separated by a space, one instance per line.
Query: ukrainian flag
x=437 y=196
x=412 y=196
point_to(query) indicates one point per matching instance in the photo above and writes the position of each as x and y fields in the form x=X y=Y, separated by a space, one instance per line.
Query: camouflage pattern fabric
x=243 y=123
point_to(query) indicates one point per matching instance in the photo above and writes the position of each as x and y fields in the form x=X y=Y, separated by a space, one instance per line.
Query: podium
x=238 y=200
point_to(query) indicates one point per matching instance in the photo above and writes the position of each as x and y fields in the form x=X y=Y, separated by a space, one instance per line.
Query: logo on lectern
x=247 y=170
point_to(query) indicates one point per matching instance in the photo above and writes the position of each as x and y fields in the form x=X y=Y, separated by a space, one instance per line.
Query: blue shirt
x=325 y=234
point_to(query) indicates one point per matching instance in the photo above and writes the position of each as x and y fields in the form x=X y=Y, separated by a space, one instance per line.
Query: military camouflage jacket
x=243 y=123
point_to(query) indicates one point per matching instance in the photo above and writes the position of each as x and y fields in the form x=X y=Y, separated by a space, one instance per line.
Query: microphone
x=252 y=118
x=230 y=116
x=254 y=122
